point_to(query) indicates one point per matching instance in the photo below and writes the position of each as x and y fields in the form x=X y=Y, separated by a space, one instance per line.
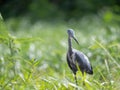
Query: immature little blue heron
x=77 y=60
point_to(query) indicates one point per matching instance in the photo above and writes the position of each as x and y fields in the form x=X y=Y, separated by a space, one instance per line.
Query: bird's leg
x=75 y=79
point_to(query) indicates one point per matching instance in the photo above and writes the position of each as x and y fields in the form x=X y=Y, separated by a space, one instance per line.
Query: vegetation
x=56 y=9
x=33 y=55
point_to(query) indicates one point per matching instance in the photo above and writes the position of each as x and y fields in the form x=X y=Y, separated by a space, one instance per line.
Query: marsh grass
x=33 y=56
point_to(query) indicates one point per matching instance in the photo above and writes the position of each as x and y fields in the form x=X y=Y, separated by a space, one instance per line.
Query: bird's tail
x=90 y=71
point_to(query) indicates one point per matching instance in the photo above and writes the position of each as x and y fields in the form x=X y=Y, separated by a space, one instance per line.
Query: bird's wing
x=82 y=60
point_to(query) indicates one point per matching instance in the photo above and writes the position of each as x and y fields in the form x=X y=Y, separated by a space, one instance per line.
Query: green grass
x=33 y=55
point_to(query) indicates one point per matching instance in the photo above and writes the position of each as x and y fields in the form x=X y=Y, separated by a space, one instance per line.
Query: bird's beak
x=76 y=40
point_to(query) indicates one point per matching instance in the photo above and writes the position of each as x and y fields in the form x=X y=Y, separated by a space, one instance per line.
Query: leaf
x=3 y=28
x=3 y=31
x=1 y=17
x=3 y=39
x=27 y=40
x=94 y=46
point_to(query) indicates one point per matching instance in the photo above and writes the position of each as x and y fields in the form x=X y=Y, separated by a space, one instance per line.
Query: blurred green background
x=33 y=43
x=57 y=9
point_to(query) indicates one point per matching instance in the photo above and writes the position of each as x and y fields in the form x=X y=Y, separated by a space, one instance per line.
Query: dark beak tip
x=76 y=40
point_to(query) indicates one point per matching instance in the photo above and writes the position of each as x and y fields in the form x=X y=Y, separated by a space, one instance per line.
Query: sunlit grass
x=33 y=56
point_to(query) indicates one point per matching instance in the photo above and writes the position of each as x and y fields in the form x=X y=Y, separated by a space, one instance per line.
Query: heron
x=76 y=59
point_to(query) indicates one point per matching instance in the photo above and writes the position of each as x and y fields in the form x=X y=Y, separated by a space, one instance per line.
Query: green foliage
x=28 y=62
x=60 y=9
x=43 y=9
x=10 y=59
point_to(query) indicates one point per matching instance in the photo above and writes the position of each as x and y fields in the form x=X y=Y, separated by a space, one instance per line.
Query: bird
x=76 y=59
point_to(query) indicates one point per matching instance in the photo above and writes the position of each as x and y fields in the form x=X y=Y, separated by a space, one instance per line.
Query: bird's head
x=72 y=34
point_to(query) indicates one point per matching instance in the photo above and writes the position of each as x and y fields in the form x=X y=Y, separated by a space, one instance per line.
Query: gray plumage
x=77 y=59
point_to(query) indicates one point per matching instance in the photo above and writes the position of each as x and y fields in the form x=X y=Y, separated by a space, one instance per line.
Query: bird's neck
x=69 y=45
